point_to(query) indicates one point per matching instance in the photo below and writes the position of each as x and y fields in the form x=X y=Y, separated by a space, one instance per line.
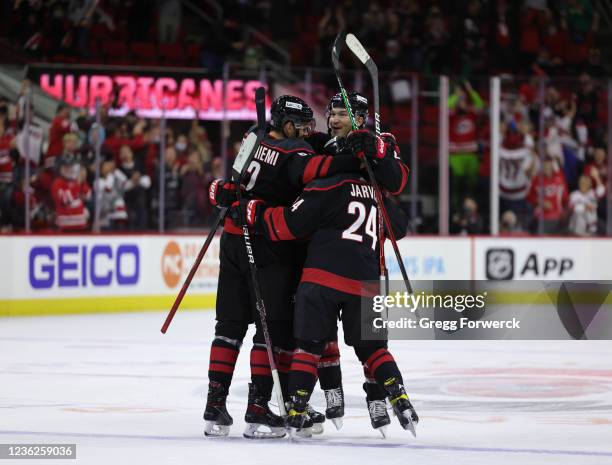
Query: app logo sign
x=537 y=266
x=172 y=264
x=83 y=265
x=500 y=264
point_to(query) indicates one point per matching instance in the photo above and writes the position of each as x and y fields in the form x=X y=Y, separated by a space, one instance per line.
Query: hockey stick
x=360 y=52
x=237 y=175
x=194 y=268
x=384 y=275
x=246 y=149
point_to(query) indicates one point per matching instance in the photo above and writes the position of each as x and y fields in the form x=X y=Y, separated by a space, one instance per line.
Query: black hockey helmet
x=289 y=108
x=359 y=104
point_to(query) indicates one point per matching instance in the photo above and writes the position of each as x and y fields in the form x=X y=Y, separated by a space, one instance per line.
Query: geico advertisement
x=81 y=266
x=429 y=258
x=543 y=259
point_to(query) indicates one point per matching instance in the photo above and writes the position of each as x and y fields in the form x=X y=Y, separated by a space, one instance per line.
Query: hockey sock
x=303 y=373
x=223 y=355
x=330 y=375
x=380 y=364
x=261 y=373
x=283 y=364
x=373 y=390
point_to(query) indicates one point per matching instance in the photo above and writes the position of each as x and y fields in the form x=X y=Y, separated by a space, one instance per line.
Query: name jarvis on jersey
x=362 y=191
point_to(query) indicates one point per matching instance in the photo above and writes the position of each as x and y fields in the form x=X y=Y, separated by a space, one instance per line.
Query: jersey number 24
x=353 y=232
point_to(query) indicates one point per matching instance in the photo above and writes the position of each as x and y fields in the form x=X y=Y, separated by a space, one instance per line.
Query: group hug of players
x=313 y=218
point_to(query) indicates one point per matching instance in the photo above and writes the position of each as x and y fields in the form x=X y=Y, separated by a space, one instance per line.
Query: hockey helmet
x=289 y=108
x=359 y=105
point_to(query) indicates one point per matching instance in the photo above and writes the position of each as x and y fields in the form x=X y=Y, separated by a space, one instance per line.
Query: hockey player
x=390 y=172
x=282 y=165
x=339 y=215
x=392 y=175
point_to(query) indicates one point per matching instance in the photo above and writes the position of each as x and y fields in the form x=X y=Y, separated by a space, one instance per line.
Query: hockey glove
x=250 y=210
x=222 y=193
x=392 y=149
x=364 y=144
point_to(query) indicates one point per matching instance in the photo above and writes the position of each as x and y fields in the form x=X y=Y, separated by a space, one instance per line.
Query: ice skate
x=217 y=419
x=377 y=407
x=402 y=407
x=335 y=406
x=261 y=422
x=317 y=419
x=299 y=424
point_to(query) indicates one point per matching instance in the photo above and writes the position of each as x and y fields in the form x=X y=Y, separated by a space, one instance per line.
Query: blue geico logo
x=83 y=265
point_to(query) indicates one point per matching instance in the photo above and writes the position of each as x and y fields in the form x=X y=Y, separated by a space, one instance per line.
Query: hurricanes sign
x=149 y=95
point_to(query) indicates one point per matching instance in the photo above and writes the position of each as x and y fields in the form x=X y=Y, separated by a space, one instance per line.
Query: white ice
x=125 y=393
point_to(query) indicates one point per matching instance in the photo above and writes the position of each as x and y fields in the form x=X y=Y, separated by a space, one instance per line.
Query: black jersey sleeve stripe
x=312 y=168
x=324 y=169
x=403 y=180
x=277 y=224
x=270 y=225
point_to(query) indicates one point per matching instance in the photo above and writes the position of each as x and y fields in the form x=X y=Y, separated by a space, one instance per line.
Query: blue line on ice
x=321 y=442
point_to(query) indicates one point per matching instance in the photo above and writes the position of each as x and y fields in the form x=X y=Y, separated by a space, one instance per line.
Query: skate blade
x=338 y=423
x=211 y=429
x=302 y=433
x=409 y=425
x=252 y=431
x=317 y=428
x=383 y=431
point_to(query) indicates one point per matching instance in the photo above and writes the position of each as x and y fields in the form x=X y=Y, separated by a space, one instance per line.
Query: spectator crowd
x=465 y=37
x=553 y=154
x=552 y=158
x=65 y=183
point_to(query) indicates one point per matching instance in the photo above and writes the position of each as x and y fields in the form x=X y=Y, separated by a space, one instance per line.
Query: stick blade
x=248 y=144
x=355 y=46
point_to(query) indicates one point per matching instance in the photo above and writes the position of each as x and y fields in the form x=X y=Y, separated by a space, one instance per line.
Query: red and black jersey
x=339 y=216
x=281 y=168
x=390 y=172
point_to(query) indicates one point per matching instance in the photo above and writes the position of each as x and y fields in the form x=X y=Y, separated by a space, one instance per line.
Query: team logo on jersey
x=172 y=264
x=500 y=264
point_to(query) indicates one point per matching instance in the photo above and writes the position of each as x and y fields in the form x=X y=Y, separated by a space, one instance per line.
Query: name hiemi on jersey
x=339 y=216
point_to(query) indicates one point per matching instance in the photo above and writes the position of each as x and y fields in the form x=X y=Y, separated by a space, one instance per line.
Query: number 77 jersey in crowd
x=339 y=217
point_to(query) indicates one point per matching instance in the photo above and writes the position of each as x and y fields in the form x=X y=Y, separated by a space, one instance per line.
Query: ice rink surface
x=125 y=393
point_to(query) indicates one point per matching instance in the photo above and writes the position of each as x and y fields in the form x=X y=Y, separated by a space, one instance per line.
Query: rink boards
x=53 y=274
